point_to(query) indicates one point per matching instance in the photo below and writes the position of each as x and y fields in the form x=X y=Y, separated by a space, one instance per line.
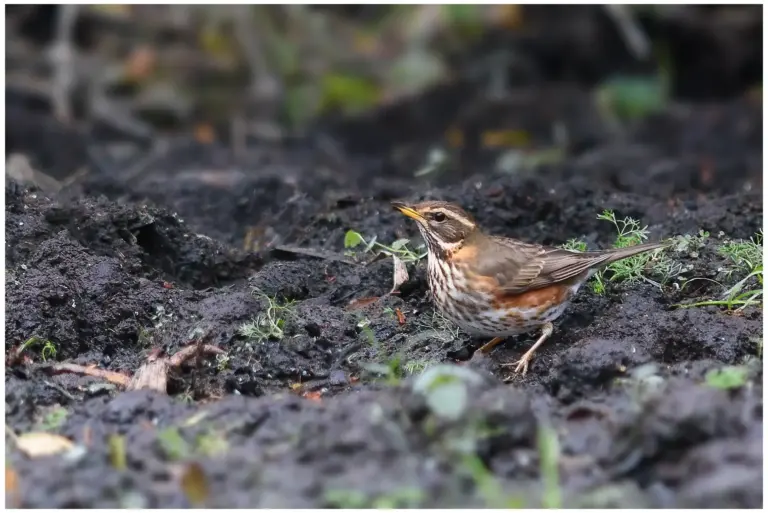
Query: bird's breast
x=476 y=306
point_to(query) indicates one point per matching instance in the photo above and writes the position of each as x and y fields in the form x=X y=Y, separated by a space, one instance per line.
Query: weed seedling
x=172 y=443
x=417 y=366
x=575 y=245
x=727 y=378
x=399 y=248
x=488 y=486
x=47 y=351
x=549 y=456
x=117 y=452
x=54 y=419
x=628 y=270
x=268 y=325
x=211 y=443
x=745 y=256
x=354 y=499
x=222 y=362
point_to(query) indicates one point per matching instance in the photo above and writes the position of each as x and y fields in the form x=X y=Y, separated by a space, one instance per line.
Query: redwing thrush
x=499 y=287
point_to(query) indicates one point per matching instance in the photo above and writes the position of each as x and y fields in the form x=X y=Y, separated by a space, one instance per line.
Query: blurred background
x=428 y=93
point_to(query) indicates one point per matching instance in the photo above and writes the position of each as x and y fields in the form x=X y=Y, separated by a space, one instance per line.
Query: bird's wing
x=519 y=267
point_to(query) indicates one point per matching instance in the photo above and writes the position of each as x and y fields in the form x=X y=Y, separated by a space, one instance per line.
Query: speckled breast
x=478 y=310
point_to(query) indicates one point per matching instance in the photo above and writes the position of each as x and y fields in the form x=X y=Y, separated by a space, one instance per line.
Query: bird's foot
x=521 y=364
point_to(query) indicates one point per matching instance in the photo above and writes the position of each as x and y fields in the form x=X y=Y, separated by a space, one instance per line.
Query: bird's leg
x=490 y=345
x=522 y=363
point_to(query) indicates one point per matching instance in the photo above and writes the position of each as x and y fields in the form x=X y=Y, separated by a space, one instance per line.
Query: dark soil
x=123 y=264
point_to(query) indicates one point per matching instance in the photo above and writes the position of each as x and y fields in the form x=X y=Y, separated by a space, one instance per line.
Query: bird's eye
x=439 y=217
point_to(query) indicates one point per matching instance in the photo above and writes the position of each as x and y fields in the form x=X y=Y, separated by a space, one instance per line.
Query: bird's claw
x=522 y=364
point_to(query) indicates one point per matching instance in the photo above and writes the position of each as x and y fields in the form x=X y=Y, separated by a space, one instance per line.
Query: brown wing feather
x=531 y=266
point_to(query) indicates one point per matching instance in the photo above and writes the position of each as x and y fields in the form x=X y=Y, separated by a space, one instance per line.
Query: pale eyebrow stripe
x=450 y=214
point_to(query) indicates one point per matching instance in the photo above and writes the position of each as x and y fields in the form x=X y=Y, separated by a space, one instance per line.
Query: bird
x=492 y=286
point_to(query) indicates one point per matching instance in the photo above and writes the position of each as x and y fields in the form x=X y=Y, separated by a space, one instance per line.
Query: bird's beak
x=406 y=210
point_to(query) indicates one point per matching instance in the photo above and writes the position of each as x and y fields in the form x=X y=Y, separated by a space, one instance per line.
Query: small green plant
x=211 y=443
x=144 y=337
x=117 y=452
x=54 y=419
x=365 y=328
x=690 y=244
x=727 y=378
x=574 y=245
x=399 y=248
x=417 y=366
x=549 y=456
x=268 y=325
x=628 y=270
x=346 y=499
x=439 y=326
x=746 y=256
x=391 y=372
x=488 y=487
x=222 y=362
x=354 y=499
x=48 y=349
x=173 y=445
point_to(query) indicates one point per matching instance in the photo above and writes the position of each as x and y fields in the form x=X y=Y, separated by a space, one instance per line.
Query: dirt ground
x=332 y=414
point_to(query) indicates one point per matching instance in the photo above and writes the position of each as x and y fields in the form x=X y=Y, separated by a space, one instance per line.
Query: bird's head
x=443 y=225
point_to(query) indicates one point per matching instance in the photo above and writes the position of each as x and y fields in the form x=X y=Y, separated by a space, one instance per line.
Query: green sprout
x=268 y=325
x=399 y=248
x=222 y=362
x=54 y=419
x=417 y=366
x=628 y=270
x=574 y=245
x=746 y=256
x=211 y=443
x=488 y=486
x=727 y=378
x=173 y=444
x=47 y=351
x=549 y=455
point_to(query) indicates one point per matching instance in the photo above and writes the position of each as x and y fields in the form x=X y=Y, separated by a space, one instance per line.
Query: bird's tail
x=614 y=255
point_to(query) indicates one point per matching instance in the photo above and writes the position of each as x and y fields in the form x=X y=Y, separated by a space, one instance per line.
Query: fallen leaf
x=43 y=444
x=361 y=302
x=400 y=316
x=12 y=499
x=455 y=137
x=400 y=274
x=140 y=64
x=313 y=396
x=11 y=480
x=194 y=483
x=204 y=133
x=167 y=285
x=295 y=386
x=509 y=16
x=505 y=139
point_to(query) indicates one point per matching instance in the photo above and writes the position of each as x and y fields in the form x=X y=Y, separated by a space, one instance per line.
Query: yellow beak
x=406 y=210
